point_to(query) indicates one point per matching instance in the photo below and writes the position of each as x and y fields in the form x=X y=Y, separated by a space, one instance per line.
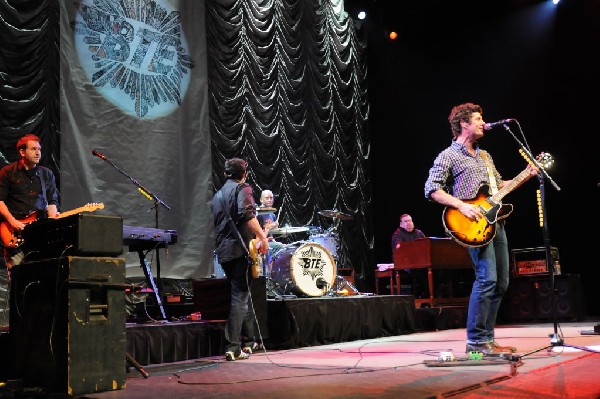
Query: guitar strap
x=488 y=166
x=43 y=183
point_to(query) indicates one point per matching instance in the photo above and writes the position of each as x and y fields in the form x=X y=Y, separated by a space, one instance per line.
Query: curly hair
x=461 y=113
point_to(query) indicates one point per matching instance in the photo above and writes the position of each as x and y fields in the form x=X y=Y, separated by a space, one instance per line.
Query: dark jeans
x=491 y=281
x=240 y=322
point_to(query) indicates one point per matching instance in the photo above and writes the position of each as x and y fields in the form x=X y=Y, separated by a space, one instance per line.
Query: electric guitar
x=257 y=260
x=473 y=234
x=13 y=239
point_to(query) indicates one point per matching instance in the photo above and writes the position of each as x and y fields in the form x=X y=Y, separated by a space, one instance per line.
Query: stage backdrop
x=139 y=102
x=133 y=88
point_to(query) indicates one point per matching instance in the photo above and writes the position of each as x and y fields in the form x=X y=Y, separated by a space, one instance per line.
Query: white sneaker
x=230 y=356
x=250 y=348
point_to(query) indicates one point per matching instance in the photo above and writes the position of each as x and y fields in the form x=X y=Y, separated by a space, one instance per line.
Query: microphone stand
x=157 y=201
x=555 y=338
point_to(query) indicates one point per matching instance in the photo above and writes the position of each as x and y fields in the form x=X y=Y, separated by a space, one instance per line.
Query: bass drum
x=305 y=269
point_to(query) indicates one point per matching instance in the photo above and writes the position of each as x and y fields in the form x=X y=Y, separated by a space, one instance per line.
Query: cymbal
x=288 y=230
x=336 y=214
x=264 y=209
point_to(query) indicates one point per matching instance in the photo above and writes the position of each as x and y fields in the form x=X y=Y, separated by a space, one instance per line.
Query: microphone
x=321 y=283
x=96 y=153
x=489 y=126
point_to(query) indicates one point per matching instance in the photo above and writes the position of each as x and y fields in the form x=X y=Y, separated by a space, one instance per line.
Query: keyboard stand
x=148 y=272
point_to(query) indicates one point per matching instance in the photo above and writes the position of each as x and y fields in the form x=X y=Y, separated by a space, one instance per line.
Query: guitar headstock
x=544 y=159
x=92 y=206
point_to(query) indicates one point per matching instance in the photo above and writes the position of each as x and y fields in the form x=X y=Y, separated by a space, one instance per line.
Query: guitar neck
x=71 y=212
x=510 y=186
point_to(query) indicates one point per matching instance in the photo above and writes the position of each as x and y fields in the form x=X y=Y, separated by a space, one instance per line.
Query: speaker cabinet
x=67 y=324
x=530 y=298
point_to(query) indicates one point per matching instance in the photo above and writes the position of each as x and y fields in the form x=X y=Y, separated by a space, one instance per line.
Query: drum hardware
x=288 y=230
x=263 y=209
x=335 y=214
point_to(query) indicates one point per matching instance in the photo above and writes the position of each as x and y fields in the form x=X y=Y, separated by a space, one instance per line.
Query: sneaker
x=250 y=348
x=230 y=356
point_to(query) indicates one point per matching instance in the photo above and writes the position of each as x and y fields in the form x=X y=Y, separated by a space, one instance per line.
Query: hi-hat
x=264 y=209
x=288 y=230
x=336 y=214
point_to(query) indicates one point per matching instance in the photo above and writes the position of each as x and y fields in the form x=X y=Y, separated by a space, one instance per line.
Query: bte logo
x=134 y=53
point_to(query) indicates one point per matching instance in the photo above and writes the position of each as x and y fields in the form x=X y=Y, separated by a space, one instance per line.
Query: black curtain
x=287 y=84
x=29 y=64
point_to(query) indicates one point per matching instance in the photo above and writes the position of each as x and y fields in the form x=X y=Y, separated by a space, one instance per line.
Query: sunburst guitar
x=257 y=261
x=13 y=239
x=473 y=234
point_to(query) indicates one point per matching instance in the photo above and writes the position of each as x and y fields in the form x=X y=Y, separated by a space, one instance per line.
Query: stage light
x=393 y=35
x=361 y=15
x=555 y=1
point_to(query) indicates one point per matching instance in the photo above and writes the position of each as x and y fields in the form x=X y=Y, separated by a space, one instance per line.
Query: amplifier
x=80 y=234
x=531 y=261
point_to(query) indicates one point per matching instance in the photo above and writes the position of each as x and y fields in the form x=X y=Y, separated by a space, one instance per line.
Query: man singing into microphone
x=456 y=176
x=25 y=187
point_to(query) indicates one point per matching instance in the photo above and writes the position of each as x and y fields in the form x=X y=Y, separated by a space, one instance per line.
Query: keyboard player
x=406 y=232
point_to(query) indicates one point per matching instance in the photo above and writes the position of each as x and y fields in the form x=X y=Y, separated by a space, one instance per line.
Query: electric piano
x=431 y=253
x=145 y=239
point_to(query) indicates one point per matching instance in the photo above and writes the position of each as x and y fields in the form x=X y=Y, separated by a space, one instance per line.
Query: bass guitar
x=13 y=239
x=473 y=234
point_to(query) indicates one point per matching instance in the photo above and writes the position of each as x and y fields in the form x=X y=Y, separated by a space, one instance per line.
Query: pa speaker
x=518 y=303
x=530 y=298
x=67 y=324
x=569 y=304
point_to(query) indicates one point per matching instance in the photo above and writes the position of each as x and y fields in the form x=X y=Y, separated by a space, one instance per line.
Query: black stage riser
x=212 y=298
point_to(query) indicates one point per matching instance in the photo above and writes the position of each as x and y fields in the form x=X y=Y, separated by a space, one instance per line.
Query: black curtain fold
x=287 y=83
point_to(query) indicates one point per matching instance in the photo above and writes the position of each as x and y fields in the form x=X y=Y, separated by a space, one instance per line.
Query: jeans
x=491 y=281
x=240 y=321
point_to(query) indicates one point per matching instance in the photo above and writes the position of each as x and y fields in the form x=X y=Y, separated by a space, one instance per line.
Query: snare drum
x=304 y=269
x=326 y=240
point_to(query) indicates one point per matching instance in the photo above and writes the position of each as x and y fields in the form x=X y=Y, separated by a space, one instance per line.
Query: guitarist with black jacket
x=26 y=188
x=234 y=217
x=459 y=175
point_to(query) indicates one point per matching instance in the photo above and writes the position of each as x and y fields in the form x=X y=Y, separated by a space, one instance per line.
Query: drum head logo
x=134 y=53
x=311 y=262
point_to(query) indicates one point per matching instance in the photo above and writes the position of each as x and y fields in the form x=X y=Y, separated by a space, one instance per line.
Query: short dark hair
x=461 y=113
x=22 y=143
x=235 y=168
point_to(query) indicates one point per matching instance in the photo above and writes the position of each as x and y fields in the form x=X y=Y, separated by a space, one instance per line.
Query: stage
x=350 y=334
x=388 y=367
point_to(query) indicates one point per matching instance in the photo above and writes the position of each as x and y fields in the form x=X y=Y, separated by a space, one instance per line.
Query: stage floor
x=388 y=367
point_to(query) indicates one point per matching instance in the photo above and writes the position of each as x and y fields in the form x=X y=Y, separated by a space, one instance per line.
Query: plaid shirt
x=459 y=173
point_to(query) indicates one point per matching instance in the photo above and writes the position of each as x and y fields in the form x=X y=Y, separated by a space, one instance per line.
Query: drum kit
x=306 y=268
